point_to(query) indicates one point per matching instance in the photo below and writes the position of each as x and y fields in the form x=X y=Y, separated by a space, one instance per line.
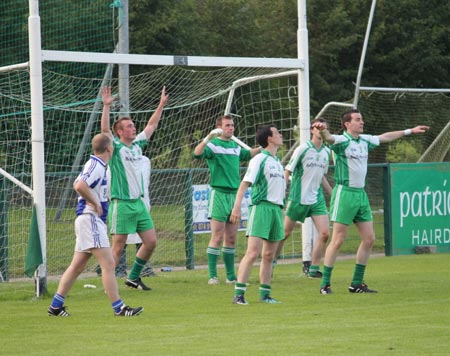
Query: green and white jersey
x=223 y=159
x=127 y=181
x=351 y=157
x=308 y=165
x=266 y=175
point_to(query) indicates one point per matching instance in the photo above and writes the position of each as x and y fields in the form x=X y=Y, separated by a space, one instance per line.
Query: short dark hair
x=263 y=133
x=117 y=125
x=347 y=117
x=219 y=119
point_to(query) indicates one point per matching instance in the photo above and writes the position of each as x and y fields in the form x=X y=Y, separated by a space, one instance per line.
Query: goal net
x=397 y=109
x=72 y=116
x=197 y=98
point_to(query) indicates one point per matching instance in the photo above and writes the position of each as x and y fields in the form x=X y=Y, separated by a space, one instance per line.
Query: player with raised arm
x=128 y=213
x=349 y=200
x=308 y=166
x=265 y=223
x=91 y=232
x=223 y=157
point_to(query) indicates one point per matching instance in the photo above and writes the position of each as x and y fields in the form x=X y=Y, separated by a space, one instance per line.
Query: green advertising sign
x=419 y=207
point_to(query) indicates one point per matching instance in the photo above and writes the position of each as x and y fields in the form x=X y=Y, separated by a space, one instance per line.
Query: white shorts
x=133 y=239
x=90 y=232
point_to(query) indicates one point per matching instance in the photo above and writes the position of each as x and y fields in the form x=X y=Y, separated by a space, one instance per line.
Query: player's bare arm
x=255 y=151
x=235 y=216
x=326 y=186
x=198 y=150
x=324 y=133
x=107 y=100
x=153 y=122
x=85 y=191
x=287 y=176
x=394 y=135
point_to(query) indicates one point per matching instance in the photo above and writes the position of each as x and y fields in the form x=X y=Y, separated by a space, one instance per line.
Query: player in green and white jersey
x=128 y=213
x=349 y=200
x=308 y=166
x=223 y=157
x=265 y=223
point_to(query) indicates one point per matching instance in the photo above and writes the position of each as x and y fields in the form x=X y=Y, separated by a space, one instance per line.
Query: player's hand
x=164 y=97
x=235 y=216
x=215 y=133
x=320 y=125
x=420 y=129
x=107 y=98
x=97 y=207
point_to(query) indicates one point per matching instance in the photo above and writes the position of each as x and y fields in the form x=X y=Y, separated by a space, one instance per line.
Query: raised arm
x=394 y=135
x=198 y=150
x=107 y=101
x=255 y=151
x=235 y=216
x=153 y=122
x=326 y=136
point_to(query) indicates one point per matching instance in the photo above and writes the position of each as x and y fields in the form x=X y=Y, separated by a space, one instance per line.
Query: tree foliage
x=408 y=47
x=409 y=41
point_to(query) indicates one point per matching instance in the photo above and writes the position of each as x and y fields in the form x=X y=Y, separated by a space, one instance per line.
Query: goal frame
x=37 y=56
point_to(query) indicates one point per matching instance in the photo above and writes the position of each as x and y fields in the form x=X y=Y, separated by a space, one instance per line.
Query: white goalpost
x=39 y=55
x=52 y=101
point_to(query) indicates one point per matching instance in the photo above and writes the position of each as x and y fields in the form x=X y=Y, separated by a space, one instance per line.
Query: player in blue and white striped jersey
x=91 y=233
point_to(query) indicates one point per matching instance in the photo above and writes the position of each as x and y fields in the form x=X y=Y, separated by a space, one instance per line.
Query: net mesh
x=197 y=97
x=72 y=114
x=72 y=117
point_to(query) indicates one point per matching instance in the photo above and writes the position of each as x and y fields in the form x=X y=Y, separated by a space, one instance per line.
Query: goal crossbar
x=194 y=61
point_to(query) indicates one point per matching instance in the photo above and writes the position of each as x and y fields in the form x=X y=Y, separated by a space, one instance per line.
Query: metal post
x=188 y=220
x=124 y=70
x=37 y=138
x=4 y=230
x=303 y=91
x=363 y=54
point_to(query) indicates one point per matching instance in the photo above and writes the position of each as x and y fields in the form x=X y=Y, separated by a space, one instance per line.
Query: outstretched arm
x=153 y=122
x=394 y=135
x=326 y=136
x=255 y=151
x=107 y=101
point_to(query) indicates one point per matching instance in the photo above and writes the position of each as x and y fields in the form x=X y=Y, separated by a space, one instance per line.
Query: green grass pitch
x=184 y=316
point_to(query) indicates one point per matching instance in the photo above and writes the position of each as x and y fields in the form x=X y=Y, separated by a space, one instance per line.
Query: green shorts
x=299 y=212
x=220 y=205
x=265 y=220
x=349 y=205
x=128 y=216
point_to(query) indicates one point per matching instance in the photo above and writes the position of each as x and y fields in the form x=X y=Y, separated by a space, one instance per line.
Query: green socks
x=326 y=276
x=358 y=274
x=228 y=259
x=136 y=269
x=313 y=269
x=264 y=289
x=240 y=288
x=213 y=255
